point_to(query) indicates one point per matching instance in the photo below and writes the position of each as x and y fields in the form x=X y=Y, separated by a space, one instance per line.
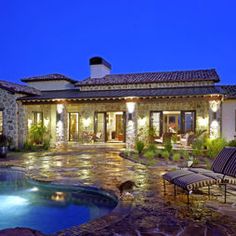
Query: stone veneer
x=13 y=113
x=142 y=109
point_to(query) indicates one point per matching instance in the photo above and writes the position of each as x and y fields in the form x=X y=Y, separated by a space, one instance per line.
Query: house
x=117 y=107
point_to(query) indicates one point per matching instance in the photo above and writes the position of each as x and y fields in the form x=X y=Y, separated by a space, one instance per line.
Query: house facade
x=117 y=107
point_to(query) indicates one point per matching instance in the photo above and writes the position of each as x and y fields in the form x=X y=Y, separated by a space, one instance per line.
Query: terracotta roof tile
x=18 y=88
x=155 y=92
x=153 y=77
x=48 y=78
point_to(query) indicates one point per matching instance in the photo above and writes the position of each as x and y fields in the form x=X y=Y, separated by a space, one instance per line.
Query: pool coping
x=122 y=209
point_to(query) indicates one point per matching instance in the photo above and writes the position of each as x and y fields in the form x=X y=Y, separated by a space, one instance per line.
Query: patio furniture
x=223 y=171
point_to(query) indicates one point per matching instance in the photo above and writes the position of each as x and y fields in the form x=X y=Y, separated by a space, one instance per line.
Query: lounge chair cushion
x=230 y=169
x=170 y=176
x=193 y=181
x=222 y=159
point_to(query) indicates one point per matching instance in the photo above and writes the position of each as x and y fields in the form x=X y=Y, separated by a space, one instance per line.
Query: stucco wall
x=228 y=119
x=51 y=85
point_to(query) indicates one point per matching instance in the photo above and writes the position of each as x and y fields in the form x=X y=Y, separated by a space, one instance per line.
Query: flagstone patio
x=150 y=212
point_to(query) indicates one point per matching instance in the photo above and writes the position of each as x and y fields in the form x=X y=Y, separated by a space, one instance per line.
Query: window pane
x=189 y=121
x=38 y=117
x=100 y=135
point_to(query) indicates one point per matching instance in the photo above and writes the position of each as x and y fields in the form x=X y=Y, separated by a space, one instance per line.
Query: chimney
x=99 y=67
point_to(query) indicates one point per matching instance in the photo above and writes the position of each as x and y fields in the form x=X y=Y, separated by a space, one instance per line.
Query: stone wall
x=141 y=111
x=10 y=115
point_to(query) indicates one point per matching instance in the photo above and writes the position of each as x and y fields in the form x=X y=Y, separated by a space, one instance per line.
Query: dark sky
x=59 y=36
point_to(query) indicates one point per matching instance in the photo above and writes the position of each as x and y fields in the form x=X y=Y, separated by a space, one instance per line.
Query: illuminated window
x=38 y=117
x=1 y=122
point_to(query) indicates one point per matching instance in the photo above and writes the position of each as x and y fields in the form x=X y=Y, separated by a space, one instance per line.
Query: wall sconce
x=86 y=122
x=60 y=108
x=130 y=116
x=214 y=105
x=142 y=121
x=203 y=121
x=130 y=107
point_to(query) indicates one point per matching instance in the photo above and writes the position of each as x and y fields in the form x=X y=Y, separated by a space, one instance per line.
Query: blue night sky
x=59 y=36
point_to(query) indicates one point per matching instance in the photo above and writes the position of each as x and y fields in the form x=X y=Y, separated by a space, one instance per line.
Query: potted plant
x=3 y=146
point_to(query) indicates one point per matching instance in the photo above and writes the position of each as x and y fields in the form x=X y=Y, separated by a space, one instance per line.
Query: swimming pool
x=45 y=207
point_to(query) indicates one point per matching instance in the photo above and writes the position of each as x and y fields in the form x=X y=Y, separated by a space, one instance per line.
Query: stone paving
x=150 y=213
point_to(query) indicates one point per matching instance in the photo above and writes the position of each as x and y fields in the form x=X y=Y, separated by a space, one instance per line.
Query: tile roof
x=153 y=77
x=230 y=90
x=155 y=92
x=48 y=77
x=18 y=88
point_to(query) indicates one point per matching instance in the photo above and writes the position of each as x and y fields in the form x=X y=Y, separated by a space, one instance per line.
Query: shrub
x=28 y=146
x=198 y=146
x=37 y=133
x=139 y=146
x=39 y=138
x=176 y=156
x=165 y=154
x=168 y=146
x=214 y=146
x=185 y=154
x=149 y=154
x=152 y=147
x=232 y=143
x=127 y=152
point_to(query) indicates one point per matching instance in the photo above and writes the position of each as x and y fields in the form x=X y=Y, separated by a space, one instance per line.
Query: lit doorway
x=73 y=120
x=109 y=126
x=115 y=127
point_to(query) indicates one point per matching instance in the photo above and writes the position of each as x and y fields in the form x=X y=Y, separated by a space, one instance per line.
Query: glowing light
x=58 y=196
x=142 y=121
x=9 y=202
x=214 y=105
x=130 y=107
x=214 y=129
x=203 y=121
x=29 y=123
x=86 y=122
x=34 y=189
x=46 y=122
x=60 y=108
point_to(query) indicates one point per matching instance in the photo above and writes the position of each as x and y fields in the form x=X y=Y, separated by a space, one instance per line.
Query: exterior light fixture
x=60 y=108
x=142 y=121
x=214 y=105
x=86 y=122
x=130 y=108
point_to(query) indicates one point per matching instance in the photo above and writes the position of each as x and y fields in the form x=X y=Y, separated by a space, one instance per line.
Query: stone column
x=22 y=125
x=215 y=118
x=131 y=124
x=61 y=124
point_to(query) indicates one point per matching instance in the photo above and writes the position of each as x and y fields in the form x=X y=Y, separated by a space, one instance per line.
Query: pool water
x=47 y=208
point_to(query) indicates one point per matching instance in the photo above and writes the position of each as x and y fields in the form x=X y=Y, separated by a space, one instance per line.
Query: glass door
x=73 y=126
x=100 y=127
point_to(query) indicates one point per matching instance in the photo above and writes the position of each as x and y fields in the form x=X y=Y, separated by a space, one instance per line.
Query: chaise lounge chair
x=223 y=171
